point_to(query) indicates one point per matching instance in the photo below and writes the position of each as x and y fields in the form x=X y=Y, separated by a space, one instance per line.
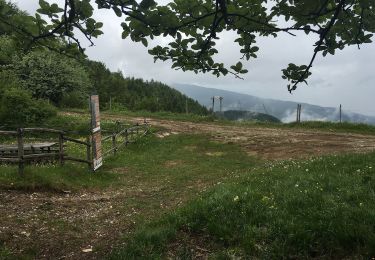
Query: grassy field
x=199 y=198
x=155 y=175
x=320 y=208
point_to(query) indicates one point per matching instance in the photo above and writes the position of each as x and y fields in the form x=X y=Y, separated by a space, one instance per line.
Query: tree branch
x=323 y=35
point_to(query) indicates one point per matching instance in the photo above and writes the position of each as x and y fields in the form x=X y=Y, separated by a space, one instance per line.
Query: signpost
x=96 y=132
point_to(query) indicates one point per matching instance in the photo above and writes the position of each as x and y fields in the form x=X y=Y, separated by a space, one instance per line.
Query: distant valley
x=283 y=110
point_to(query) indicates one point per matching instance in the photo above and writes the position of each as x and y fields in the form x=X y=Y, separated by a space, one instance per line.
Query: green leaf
x=146 y=4
x=144 y=42
x=117 y=10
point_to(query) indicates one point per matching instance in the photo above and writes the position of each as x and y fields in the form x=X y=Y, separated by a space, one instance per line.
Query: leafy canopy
x=48 y=75
x=193 y=27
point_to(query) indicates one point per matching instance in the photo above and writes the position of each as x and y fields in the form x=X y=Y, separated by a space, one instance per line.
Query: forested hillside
x=137 y=94
x=35 y=81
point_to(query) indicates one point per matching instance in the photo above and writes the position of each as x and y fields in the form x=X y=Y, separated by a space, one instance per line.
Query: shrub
x=50 y=76
x=74 y=99
x=18 y=108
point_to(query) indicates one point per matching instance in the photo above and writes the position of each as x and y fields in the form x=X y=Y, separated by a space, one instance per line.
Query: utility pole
x=213 y=104
x=340 y=113
x=221 y=104
x=299 y=107
x=297 y=113
x=186 y=105
x=265 y=110
x=110 y=103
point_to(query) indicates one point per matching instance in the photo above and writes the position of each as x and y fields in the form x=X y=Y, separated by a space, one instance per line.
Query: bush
x=18 y=108
x=74 y=99
x=48 y=75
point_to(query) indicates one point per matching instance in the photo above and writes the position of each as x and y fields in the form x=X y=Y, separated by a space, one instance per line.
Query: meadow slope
x=69 y=213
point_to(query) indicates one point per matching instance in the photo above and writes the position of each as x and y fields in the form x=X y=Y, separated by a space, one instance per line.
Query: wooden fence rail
x=130 y=135
x=22 y=153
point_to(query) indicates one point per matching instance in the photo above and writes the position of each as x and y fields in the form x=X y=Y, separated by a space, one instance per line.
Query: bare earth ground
x=87 y=224
x=274 y=143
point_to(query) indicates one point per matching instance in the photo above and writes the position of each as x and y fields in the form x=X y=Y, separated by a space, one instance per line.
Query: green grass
x=176 y=159
x=321 y=208
x=335 y=127
x=52 y=177
x=344 y=127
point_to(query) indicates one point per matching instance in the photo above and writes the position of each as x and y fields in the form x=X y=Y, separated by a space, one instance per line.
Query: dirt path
x=86 y=225
x=271 y=143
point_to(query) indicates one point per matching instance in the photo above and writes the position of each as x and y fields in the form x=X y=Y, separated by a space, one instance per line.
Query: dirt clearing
x=271 y=143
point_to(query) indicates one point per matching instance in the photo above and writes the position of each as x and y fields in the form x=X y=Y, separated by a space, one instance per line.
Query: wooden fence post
x=114 y=147
x=88 y=152
x=21 y=165
x=126 y=137
x=340 y=113
x=297 y=113
x=61 y=149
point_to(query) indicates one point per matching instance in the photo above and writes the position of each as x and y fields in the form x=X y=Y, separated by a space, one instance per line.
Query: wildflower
x=296 y=185
x=236 y=198
x=307 y=170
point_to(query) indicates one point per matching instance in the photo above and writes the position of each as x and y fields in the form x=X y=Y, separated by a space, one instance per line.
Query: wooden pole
x=297 y=113
x=340 y=113
x=21 y=165
x=114 y=144
x=110 y=103
x=213 y=105
x=126 y=137
x=186 y=106
x=265 y=110
x=61 y=149
x=88 y=152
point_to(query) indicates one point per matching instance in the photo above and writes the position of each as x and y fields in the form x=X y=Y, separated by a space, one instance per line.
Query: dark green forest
x=240 y=115
x=38 y=80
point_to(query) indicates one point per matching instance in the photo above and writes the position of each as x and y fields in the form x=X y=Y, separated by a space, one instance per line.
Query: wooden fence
x=22 y=153
x=129 y=135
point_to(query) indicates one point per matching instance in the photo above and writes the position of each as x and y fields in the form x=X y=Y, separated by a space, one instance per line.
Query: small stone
x=87 y=250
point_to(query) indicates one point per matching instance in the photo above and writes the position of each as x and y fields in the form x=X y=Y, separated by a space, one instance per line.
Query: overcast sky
x=347 y=77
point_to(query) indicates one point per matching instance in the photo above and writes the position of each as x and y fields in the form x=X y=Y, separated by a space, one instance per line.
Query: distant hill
x=239 y=115
x=283 y=110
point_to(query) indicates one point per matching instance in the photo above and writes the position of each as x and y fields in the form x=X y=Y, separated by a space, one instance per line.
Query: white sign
x=96 y=132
